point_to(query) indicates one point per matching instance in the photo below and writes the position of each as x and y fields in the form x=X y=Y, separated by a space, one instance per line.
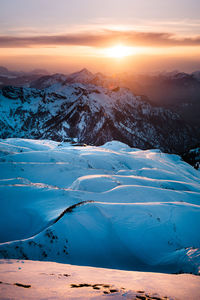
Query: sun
x=118 y=51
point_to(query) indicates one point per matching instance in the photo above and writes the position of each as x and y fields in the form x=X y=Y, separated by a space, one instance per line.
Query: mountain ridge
x=93 y=115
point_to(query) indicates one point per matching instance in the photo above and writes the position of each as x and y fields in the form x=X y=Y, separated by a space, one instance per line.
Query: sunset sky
x=106 y=35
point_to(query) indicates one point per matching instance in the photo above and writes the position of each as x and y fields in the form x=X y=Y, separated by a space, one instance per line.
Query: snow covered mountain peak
x=48 y=80
x=83 y=76
x=85 y=71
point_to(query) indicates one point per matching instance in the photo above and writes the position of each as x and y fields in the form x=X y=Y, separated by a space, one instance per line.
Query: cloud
x=104 y=38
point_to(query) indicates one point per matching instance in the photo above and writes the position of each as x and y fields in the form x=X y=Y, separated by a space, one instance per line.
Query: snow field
x=110 y=206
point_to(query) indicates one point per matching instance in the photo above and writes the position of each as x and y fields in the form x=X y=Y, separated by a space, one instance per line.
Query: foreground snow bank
x=111 y=206
x=48 y=280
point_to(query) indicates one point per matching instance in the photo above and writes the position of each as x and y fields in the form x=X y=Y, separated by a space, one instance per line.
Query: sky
x=109 y=35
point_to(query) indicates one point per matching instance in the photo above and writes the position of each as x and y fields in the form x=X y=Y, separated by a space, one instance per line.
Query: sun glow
x=119 y=51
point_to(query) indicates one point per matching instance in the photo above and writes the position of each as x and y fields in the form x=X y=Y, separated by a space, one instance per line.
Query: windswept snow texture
x=110 y=206
x=49 y=280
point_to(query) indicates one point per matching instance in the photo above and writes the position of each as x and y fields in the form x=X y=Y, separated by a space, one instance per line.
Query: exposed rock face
x=193 y=157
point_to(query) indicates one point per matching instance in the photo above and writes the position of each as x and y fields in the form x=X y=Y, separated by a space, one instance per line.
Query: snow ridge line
x=67 y=210
x=70 y=209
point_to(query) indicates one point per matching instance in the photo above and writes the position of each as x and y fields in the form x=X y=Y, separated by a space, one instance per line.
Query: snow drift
x=110 y=206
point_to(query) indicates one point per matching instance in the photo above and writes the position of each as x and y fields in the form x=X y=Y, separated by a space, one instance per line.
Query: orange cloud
x=103 y=38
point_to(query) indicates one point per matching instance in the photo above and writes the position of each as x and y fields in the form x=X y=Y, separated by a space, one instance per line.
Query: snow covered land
x=24 y=279
x=110 y=206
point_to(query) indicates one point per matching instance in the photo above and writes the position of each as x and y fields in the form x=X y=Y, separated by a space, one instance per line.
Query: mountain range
x=93 y=109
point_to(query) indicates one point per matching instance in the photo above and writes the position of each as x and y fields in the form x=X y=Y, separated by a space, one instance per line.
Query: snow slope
x=110 y=206
x=48 y=280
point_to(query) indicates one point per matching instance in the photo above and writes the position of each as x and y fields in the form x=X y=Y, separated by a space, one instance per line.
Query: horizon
x=114 y=36
x=68 y=72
